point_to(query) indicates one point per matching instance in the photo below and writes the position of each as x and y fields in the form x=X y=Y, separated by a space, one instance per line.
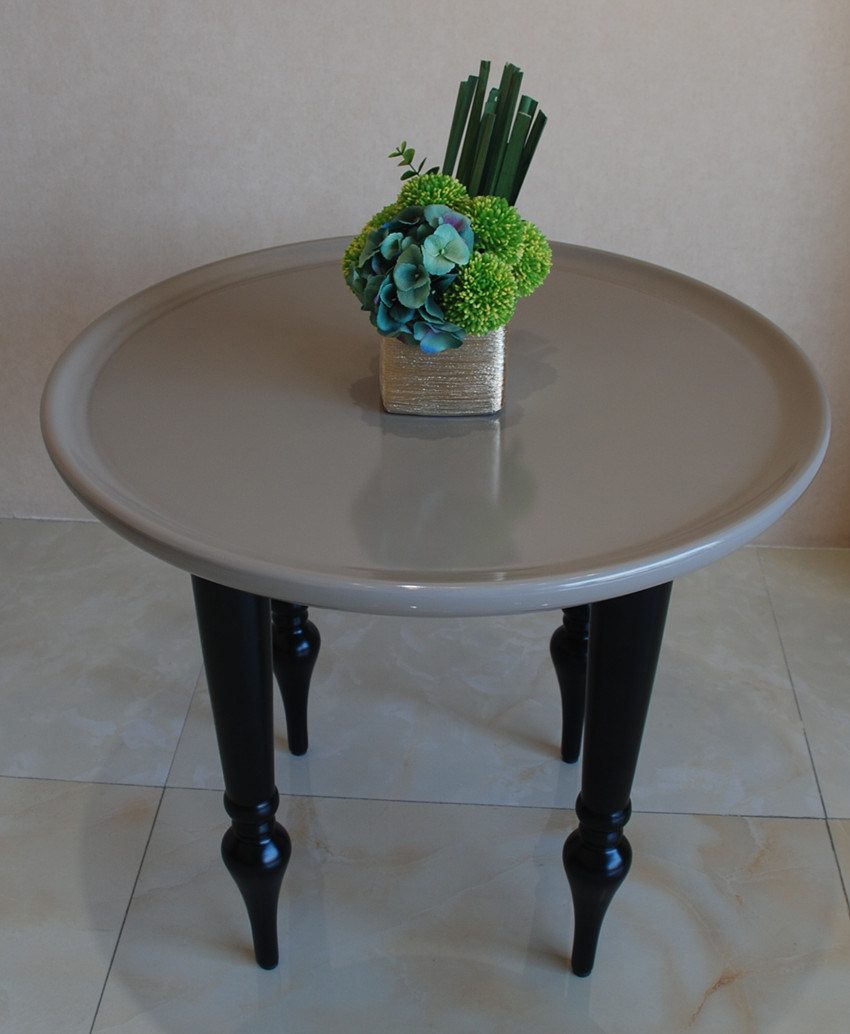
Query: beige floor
x=425 y=891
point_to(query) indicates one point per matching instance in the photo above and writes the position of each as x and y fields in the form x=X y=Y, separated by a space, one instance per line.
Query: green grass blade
x=481 y=152
x=467 y=153
x=507 y=100
x=504 y=186
x=528 y=105
x=494 y=134
x=465 y=94
x=528 y=153
x=481 y=144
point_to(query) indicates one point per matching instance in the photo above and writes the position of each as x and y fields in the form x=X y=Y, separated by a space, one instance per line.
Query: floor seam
x=793 y=684
x=129 y=904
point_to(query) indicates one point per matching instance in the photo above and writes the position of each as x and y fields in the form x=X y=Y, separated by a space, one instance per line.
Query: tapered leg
x=568 y=648
x=625 y=642
x=296 y=644
x=235 y=629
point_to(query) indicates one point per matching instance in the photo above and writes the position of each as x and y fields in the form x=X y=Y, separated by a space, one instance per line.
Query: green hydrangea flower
x=498 y=227
x=483 y=297
x=436 y=189
x=352 y=252
x=535 y=261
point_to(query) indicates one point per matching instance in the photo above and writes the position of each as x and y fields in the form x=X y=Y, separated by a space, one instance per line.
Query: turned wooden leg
x=624 y=645
x=568 y=648
x=235 y=630
x=295 y=642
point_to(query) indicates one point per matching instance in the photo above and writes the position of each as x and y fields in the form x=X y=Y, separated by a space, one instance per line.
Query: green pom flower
x=483 y=297
x=498 y=228
x=351 y=256
x=386 y=214
x=535 y=261
x=436 y=189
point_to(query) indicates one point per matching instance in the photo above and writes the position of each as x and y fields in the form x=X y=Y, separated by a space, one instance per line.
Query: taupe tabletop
x=228 y=420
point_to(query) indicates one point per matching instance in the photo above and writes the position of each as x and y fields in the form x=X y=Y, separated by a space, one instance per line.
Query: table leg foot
x=256 y=852
x=568 y=649
x=623 y=650
x=235 y=630
x=597 y=858
x=296 y=642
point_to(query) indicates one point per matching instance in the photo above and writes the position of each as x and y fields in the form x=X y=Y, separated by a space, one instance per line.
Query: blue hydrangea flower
x=404 y=269
x=444 y=250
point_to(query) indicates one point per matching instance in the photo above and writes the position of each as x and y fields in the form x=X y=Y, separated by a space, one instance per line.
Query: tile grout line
x=430 y=802
x=162 y=792
x=792 y=683
x=130 y=897
x=198 y=679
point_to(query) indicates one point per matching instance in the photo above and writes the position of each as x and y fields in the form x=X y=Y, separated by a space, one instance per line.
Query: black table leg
x=624 y=645
x=235 y=629
x=295 y=643
x=568 y=648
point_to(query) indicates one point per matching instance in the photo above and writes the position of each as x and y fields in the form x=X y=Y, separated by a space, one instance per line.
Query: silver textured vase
x=465 y=381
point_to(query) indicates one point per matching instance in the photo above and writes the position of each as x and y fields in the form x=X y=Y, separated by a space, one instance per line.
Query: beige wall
x=142 y=137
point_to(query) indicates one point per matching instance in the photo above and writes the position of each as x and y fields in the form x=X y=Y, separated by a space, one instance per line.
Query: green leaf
x=409 y=174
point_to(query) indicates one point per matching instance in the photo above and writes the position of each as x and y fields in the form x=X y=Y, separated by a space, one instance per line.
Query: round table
x=228 y=420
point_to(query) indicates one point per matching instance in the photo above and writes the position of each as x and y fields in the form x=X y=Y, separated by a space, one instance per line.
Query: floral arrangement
x=451 y=255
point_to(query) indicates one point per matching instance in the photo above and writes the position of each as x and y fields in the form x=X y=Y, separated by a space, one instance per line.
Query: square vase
x=465 y=381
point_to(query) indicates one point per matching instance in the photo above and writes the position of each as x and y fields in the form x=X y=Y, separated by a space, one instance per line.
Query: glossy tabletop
x=229 y=421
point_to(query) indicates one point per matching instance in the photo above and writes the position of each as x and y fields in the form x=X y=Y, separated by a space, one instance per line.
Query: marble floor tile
x=98 y=655
x=467 y=711
x=810 y=590
x=457 y=710
x=69 y=856
x=456 y=919
x=724 y=734
x=415 y=899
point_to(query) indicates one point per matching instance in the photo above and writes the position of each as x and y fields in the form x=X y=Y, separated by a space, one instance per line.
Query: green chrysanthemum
x=436 y=189
x=498 y=228
x=483 y=297
x=535 y=261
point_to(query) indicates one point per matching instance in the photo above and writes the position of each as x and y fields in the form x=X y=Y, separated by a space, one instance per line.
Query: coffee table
x=228 y=421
